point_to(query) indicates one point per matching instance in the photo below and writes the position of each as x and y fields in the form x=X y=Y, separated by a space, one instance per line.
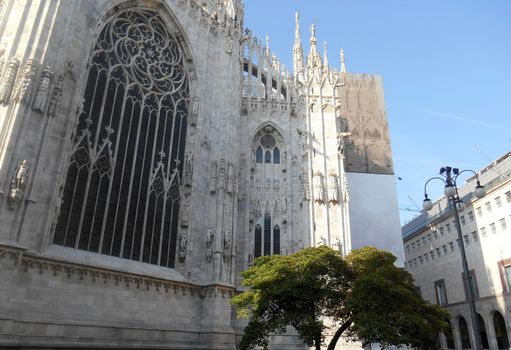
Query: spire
x=314 y=59
x=325 y=56
x=343 y=64
x=267 y=46
x=298 y=51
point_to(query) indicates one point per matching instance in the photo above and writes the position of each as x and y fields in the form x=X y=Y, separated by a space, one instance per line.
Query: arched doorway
x=482 y=332
x=465 y=339
x=500 y=331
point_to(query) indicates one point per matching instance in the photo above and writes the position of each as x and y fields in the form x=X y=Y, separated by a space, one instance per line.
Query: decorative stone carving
x=319 y=188
x=294 y=159
x=194 y=112
x=8 y=80
x=230 y=177
x=210 y=238
x=303 y=140
x=227 y=245
x=333 y=187
x=25 y=88
x=345 y=189
x=222 y=178
x=56 y=96
x=304 y=186
x=18 y=184
x=188 y=169
x=43 y=91
x=213 y=176
x=322 y=241
x=183 y=243
x=341 y=143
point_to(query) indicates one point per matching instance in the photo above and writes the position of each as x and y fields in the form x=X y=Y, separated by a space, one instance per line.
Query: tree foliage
x=364 y=297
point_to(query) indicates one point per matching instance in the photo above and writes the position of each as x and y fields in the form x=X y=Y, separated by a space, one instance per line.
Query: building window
x=508 y=196
x=444 y=249
x=418 y=243
x=479 y=212
x=503 y=224
x=474 y=236
x=483 y=231
x=426 y=257
x=488 y=207
x=415 y=261
x=424 y=241
x=493 y=228
x=498 y=202
x=462 y=220
x=441 y=231
x=276 y=156
x=438 y=253
x=420 y=259
x=413 y=246
x=472 y=282
x=430 y=238
x=441 y=292
x=259 y=155
x=432 y=255
x=435 y=234
x=122 y=191
x=451 y=246
x=507 y=271
x=448 y=228
x=471 y=216
x=466 y=239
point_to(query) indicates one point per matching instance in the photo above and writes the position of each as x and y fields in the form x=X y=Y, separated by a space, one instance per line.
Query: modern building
x=433 y=257
x=151 y=149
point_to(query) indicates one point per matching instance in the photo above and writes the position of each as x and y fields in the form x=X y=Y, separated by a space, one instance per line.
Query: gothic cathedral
x=150 y=150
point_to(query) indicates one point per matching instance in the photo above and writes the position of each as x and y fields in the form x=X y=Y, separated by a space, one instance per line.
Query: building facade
x=432 y=255
x=150 y=150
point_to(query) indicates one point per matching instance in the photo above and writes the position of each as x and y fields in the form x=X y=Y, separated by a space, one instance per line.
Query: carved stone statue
x=303 y=139
x=25 y=87
x=183 y=243
x=9 y=78
x=43 y=91
x=188 y=169
x=318 y=187
x=18 y=184
x=333 y=187
x=341 y=144
x=227 y=245
x=210 y=237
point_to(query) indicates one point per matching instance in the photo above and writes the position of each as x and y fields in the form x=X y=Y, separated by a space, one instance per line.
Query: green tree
x=364 y=296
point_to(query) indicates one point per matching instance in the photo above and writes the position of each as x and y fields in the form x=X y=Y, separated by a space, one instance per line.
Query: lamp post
x=449 y=177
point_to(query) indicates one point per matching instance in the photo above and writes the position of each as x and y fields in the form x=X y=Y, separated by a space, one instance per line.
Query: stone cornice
x=83 y=272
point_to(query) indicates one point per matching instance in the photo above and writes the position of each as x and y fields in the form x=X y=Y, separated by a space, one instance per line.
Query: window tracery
x=268 y=203
x=122 y=190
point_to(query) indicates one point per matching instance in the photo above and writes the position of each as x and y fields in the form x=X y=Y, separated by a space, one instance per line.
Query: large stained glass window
x=121 y=195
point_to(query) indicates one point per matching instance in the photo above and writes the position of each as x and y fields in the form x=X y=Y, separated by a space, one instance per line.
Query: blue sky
x=446 y=67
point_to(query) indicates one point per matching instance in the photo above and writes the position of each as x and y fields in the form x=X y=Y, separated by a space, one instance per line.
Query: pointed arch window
x=276 y=240
x=269 y=200
x=259 y=155
x=121 y=195
x=276 y=156
x=267 y=157
x=257 y=240
x=267 y=234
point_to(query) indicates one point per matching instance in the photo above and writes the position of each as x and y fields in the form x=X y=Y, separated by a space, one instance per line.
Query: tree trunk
x=337 y=335
x=317 y=342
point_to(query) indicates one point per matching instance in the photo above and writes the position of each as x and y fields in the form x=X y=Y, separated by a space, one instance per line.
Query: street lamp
x=449 y=177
